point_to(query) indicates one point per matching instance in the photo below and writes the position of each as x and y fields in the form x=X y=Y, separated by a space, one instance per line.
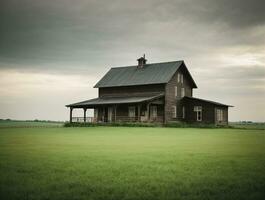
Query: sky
x=53 y=52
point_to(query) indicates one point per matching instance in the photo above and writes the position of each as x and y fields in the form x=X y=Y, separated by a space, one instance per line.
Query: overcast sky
x=52 y=52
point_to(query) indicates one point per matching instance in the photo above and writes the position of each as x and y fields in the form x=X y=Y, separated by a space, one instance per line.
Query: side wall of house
x=132 y=90
x=208 y=112
x=170 y=98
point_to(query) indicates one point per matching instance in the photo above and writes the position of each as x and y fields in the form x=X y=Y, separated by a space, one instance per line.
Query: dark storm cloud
x=235 y=13
x=65 y=32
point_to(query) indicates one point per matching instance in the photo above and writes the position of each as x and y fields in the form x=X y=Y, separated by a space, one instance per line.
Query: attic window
x=181 y=78
x=179 y=75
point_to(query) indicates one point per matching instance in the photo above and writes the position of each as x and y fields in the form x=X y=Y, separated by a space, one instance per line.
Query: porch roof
x=114 y=100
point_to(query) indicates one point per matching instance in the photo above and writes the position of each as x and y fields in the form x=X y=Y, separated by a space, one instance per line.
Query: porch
x=121 y=109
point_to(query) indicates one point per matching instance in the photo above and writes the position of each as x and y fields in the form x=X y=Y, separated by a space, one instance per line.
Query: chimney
x=141 y=62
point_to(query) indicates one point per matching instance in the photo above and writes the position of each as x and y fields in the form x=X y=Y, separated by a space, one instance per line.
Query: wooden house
x=155 y=92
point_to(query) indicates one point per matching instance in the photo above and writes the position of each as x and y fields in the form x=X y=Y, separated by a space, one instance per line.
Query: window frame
x=182 y=93
x=198 y=109
x=179 y=77
x=153 y=111
x=130 y=113
x=176 y=91
x=220 y=115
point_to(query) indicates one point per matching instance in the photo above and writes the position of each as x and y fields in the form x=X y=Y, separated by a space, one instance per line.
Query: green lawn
x=131 y=163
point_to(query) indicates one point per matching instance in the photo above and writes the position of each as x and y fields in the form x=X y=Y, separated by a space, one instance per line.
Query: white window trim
x=182 y=92
x=198 y=109
x=178 y=77
x=176 y=91
x=131 y=111
x=181 y=77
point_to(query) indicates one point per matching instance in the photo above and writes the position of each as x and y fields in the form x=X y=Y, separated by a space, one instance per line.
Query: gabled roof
x=154 y=73
x=207 y=101
x=115 y=100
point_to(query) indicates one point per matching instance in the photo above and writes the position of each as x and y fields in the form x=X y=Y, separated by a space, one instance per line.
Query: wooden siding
x=209 y=114
x=122 y=114
x=132 y=90
x=171 y=100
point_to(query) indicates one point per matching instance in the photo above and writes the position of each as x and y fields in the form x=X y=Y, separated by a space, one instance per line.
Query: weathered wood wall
x=171 y=100
x=141 y=90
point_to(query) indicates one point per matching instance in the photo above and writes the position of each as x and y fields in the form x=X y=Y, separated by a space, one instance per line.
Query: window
x=198 y=110
x=109 y=114
x=182 y=92
x=183 y=112
x=153 y=111
x=176 y=91
x=174 y=111
x=179 y=77
x=131 y=111
x=220 y=115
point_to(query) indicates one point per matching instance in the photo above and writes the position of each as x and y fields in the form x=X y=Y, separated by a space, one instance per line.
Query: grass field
x=131 y=163
x=26 y=124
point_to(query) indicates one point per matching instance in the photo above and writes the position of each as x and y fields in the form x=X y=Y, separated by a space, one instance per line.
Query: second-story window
x=176 y=91
x=182 y=92
x=181 y=77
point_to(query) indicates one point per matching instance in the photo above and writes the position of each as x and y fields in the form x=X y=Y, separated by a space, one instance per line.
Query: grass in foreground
x=131 y=163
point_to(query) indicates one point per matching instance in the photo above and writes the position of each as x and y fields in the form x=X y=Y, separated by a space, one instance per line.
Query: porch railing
x=82 y=119
x=118 y=119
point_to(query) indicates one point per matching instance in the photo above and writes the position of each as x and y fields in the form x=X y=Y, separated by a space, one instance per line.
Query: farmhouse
x=155 y=92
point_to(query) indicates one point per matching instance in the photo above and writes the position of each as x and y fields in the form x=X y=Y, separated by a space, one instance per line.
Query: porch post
x=71 y=113
x=115 y=112
x=139 y=109
x=148 y=105
x=103 y=114
x=85 y=115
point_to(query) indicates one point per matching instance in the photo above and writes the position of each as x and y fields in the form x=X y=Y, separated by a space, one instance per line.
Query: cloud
x=221 y=42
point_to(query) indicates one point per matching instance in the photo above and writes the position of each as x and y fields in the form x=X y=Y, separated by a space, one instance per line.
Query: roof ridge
x=148 y=64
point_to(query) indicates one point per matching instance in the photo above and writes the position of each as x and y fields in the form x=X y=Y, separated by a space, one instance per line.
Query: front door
x=109 y=114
